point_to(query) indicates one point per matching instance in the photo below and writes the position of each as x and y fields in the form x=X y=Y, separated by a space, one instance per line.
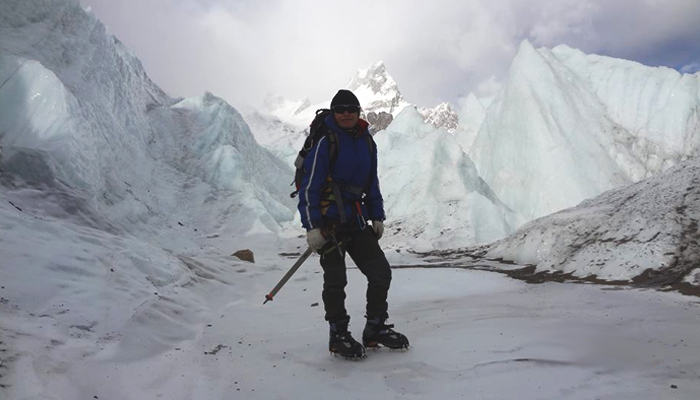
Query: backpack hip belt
x=338 y=188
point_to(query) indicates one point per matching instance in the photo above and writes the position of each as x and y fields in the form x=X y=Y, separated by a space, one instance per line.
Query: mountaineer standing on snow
x=339 y=193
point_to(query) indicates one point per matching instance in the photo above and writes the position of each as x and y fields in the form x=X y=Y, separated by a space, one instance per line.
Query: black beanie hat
x=344 y=98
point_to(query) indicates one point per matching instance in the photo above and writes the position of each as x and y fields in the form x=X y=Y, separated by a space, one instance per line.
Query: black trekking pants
x=364 y=250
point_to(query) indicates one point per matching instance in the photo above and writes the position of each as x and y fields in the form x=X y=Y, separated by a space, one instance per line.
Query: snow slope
x=648 y=230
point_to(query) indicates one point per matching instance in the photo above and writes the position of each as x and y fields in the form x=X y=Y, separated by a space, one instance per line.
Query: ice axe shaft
x=288 y=275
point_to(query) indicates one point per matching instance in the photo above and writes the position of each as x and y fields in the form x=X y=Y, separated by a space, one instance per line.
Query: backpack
x=318 y=130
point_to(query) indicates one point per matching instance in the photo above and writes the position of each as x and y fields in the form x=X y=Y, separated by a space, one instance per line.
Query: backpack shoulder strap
x=370 y=143
x=332 y=145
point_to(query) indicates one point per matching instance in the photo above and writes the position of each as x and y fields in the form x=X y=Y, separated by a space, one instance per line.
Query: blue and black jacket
x=354 y=167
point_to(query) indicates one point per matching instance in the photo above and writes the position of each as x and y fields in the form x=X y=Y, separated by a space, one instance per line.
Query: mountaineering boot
x=377 y=332
x=341 y=341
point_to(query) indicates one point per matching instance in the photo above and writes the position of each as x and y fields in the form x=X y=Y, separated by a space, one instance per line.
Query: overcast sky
x=439 y=50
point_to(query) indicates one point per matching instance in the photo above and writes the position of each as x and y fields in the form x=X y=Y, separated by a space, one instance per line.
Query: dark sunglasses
x=343 y=109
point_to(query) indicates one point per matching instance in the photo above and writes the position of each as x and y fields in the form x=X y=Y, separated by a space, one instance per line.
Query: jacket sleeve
x=374 y=201
x=316 y=166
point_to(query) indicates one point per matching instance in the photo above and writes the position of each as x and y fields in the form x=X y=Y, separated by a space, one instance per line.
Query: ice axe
x=288 y=275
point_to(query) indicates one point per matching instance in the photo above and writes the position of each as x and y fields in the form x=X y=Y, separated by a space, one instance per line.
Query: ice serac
x=210 y=139
x=74 y=103
x=377 y=90
x=544 y=144
x=659 y=108
x=81 y=121
x=433 y=194
x=470 y=117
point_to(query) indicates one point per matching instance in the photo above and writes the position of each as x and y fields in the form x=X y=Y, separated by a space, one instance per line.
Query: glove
x=378 y=227
x=315 y=239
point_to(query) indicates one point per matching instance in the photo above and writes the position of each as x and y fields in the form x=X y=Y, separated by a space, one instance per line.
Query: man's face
x=346 y=116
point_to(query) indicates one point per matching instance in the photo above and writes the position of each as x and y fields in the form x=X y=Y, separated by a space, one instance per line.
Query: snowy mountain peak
x=377 y=90
x=376 y=69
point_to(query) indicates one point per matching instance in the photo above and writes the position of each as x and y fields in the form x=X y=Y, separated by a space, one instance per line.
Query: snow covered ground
x=94 y=315
x=120 y=208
